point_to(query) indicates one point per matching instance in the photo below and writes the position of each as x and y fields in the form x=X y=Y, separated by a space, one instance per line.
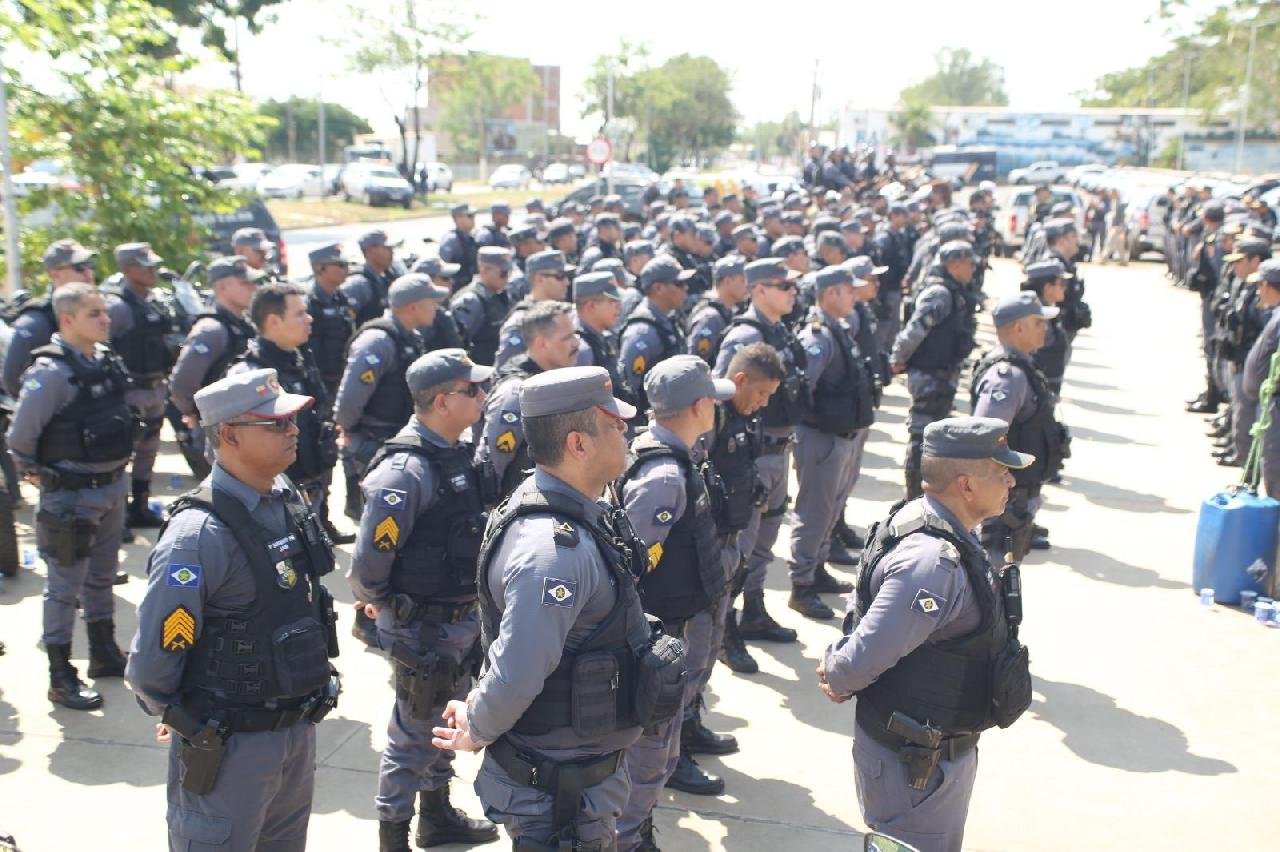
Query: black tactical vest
x=23 y=302
x=604 y=353
x=239 y=333
x=949 y=343
x=1038 y=433
x=733 y=454
x=614 y=643
x=947 y=682
x=332 y=325
x=713 y=343
x=789 y=404
x=317 y=440
x=145 y=347
x=377 y=304
x=482 y=344
x=97 y=425
x=688 y=575
x=668 y=337
x=391 y=401
x=278 y=649
x=520 y=367
x=438 y=559
x=844 y=405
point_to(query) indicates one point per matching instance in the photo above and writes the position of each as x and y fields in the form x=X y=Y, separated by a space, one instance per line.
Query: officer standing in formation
x=482 y=304
x=1048 y=280
x=560 y=611
x=548 y=282
x=495 y=233
x=333 y=316
x=597 y=306
x=235 y=631
x=72 y=434
x=714 y=310
x=366 y=291
x=928 y=608
x=649 y=334
x=458 y=246
x=252 y=244
x=1241 y=321
x=1008 y=386
x=1258 y=366
x=414 y=567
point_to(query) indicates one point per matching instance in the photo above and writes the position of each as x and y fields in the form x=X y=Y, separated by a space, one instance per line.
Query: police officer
x=482 y=305
x=553 y=345
x=889 y=248
x=746 y=242
x=1008 y=386
x=1064 y=244
x=279 y=312
x=441 y=274
x=842 y=385
x=72 y=434
x=649 y=334
x=366 y=290
x=458 y=246
x=333 y=315
x=252 y=244
x=235 y=631
x=714 y=310
x=773 y=296
x=686 y=248
x=1258 y=366
x=606 y=243
x=562 y=236
x=33 y=320
x=1048 y=280
x=665 y=496
x=549 y=281
x=414 y=567
x=555 y=565
x=1245 y=320
x=928 y=609
x=933 y=346
x=143 y=333
x=216 y=339
x=597 y=305
x=495 y=233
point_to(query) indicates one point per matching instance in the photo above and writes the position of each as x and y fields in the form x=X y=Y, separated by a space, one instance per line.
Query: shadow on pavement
x=1103 y=408
x=1096 y=729
x=1081 y=383
x=1108 y=569
x=338 y=749
x=1125 y=499
x=10 y=734
x=1084 y=433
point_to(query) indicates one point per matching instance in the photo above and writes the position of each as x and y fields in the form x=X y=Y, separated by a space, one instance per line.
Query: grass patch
x=319 y=213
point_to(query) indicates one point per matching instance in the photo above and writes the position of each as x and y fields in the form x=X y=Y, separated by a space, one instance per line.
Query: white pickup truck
x=1045 y=171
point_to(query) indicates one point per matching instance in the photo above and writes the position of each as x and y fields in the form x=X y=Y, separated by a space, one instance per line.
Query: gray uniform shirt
x=468 y=307
x=511 y=341
x=1004 y=392
x=361 y=288
x=655 y=497
x=535 y=626
x=821 y=349
x=205 y=344
x=45 y=389
x=502 y=433
x=31 y=330
x=933 y=305
x=921 y=567
x=738 y=336
x=223 y=584
x=1258 y=365
x=371 y=355
x=640 y=348
x=705 y=327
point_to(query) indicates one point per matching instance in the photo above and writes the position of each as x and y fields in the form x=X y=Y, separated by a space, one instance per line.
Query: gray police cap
x=140 y=254
x=681 y=380
x=831 y=238
x=664 y=269
x=863 y=266
x=636 y=248
x=444 y=365
x=605 y=220
x=953 y=231
x=852 y=226
x=66 y=252
x=494 y=256
x=1019 y=306
x=832 y=276
x=544 y=262
x=1046 y=270
x=559 y=228
x=257 y=393
x=414 y=287
x=462 y=209
x=499 y=207
x=252 y=237
x=614 y=266
x=570 y=389
x=746 y=231
x=956 y=250
x=787 y=246
x=524 y=232
x=973 y=438
x=1057 y=227
x=331 y=253
x=1249 y=247
x=682 y=222
x=1268 y=271
x=727 y=267
x=233 y=266
x=596 y=283
x=769 y=269
x=437 y=268
x=377 y=237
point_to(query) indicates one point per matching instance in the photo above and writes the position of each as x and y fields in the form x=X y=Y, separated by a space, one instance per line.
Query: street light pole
x=608 y=120
x=1244 y=92
x=12 y=258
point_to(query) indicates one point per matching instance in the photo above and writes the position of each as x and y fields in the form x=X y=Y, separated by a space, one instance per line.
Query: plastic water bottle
x=1264 y=613
x=1206 y=597
x=156 y=506
x=28 y=557
x=1247 y=600
x=175 y=481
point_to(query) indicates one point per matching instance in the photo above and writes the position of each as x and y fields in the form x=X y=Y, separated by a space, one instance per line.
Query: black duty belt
x=407 y=608
x=564 y=782
x=772 y=446
x=951 y=747
x=252 y=720
x=59 y=480
x=149 y=381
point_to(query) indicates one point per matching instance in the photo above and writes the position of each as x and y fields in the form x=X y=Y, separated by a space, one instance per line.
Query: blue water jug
x=1236 y=541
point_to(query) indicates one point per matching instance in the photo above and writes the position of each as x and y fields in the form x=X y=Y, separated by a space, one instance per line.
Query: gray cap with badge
x=973 y=438
x=65 y=253
x=1018 y=306
x=414 y=287
x=256 y=392
x=331 y=253
x=769 y=269
x=252 y=238
x=832 y=276
x=436 y=268
x=377 y=237
x=137 y=254
x=678 y=382
x=560 y=228
x=233 y=266
x=494 y=256
x=1047 y=270
x=546 y=262
x=596 y=283
x=444 y=365
x=728 y=267
x=664 y=269
x=864 y=267
x=1268 y=271
x=956 y=250
x=571 y=389
x=638 y=248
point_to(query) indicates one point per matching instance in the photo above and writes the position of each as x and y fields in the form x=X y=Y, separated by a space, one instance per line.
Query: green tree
x=474 y=87
x=775 y=138
x=913 y=122
x=959 y=79
x=341 y=126
x=102 y=109
x=212 y=18
x=628 y=96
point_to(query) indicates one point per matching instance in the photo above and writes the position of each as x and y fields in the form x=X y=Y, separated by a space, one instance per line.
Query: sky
x=865 y=52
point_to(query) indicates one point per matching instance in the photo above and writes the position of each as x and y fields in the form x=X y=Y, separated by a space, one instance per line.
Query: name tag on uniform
x=283 y=547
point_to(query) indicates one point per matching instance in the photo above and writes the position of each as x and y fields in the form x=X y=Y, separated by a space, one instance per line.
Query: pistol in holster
x=922 y=755
x=70 y=538
x=420 y=678
x=202 y=748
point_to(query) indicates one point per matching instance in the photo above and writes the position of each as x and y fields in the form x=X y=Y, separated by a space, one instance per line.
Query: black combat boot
x=841 y=555
x=646 y=830
x=334 y=536
x=140 y=516
x=825 y=584
x=848 y=536
x=697 y=738
x=121 y=578
x=1205 y=403
x=393 y=836
x=365 y=629
x=691 y=778
x=352 y=507
x=439 y=822
x=758 y=624
x=805 y=601
x=733 y=652
x=105 y=657
x=65 y=686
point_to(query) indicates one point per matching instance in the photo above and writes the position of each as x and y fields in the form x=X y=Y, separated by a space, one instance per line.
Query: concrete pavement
x=1151 y=723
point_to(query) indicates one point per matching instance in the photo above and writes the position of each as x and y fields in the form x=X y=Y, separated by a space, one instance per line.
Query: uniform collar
x=420 y=429
x=761 y=318
x=98 y=350
x=665 y=436
x=544 y=481
x=947 y=515
x=223 y=480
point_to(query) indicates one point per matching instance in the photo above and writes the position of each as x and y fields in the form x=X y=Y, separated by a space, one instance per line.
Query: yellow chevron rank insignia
x=178 y=632
x=386 y=534
x=506 y=442
x=655 y=554
x=367 y=377
x=704 y=345
x=638 y=364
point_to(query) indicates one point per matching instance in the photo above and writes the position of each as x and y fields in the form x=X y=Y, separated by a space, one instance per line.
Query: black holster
x=70 y=538
x=564 y=782
x=426 y=681
x=200 y=751
x=920 y=762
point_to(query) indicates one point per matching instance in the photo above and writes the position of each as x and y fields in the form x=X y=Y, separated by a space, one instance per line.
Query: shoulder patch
x=704 y=344
x=386 y=534
x=663 y=517
x=183 y=576
x=814 y=349
x=392 y=498
x=368 y=377
x=515 y=340
x=641 y=345
x=372 y=358
x=928 y=603
x=178 y=631
x=999 y=395
x=32 y=384
x=566 y=534
x=23 y=332
x=638 y=365
x=510 y=417
x=200 y=348
x=506 y=442
x=557 y=592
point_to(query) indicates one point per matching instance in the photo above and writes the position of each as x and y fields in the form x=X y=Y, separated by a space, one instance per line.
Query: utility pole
x=320 y=141
x=608 y=121
x=235 y=46
x=1245 y=91
x=813 y=106
x=12 y=257
x=1186 y=100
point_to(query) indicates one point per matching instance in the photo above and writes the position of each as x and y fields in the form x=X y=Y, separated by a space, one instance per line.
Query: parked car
x=577 y=170
x=1044 y=171
x=639 y=171
x=375 y=185
x=253 y=214
x=630 y=189
x=292 y=180
x=510 y=176
x=556 y=173
x=333 y=178
x=245 y=176
x=1144 y=216
x=1011 y=222
x=1076 y=175
x=439 y=177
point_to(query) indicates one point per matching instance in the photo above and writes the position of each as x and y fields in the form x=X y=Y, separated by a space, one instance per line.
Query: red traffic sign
x=599 y=151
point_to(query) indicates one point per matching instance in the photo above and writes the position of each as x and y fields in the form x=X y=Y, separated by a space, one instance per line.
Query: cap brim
x=1013 y=459
x=879 y=270
x=618 y=408
x=793 y=274
x=448 y=270
x=1049 y=311
x=1253 y=278
x=284 y=405
x=82 y=256
x=1233 y=257
x=480 y=373
x=862 y=282
x=725 y=389
x=686 y=274
x=149 y=262
x=253 y=275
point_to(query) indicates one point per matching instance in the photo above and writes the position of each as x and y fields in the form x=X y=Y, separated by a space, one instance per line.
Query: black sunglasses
x=472 y=390
x=280 y=425
x=780 y=285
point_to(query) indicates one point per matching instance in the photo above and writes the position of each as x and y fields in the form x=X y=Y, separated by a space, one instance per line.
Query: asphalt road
x=301 y=241
x=1153 y=717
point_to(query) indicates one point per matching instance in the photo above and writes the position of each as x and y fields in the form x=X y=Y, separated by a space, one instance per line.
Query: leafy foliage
x=341 y=126
x=474 y=87
x=960 y=79
x=913 y=122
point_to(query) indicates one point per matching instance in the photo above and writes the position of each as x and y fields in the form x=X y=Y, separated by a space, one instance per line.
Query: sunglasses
x=559 y=276
x=77 y=267
x=780 y=285
x=472 y=390
x=280 y=426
